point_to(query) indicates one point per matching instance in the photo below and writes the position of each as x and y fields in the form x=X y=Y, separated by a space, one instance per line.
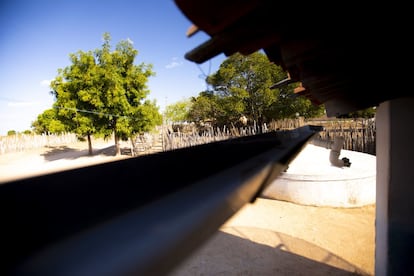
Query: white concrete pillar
x=394 y=248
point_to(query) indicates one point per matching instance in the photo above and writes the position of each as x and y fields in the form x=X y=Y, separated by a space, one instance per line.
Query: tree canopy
x=177 y=112
x=47 y=122
x=104 y=92
x=242 y=87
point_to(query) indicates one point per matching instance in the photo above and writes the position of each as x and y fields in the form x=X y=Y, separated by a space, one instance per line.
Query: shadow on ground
x=64 y=152
x=245 y=251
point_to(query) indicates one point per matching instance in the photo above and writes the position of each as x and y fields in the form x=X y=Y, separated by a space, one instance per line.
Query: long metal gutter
x=141 y=215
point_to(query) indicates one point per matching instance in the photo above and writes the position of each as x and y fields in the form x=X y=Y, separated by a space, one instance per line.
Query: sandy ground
x=271 y=237
x=267 y=237
x=55 y=158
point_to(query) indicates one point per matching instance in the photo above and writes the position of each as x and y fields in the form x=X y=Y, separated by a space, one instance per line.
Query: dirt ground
x=271 y=237
x=55 y=158
x=267 y=237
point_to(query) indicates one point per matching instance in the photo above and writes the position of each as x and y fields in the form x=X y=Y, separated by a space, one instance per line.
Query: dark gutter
x=142 y=215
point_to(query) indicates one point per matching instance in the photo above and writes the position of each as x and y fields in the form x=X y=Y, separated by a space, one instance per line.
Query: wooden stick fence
x=23 y=142
x=359 y=134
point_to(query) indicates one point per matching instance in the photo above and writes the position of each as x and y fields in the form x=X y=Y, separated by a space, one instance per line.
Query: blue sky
x=37 y=36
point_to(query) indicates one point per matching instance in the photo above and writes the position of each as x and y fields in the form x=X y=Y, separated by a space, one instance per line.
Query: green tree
x=363 y=113
x=242 y=86
x=243 y=83
x=47 y=122
x=206 y=108
x=104 y=92
x=178 y=112
x=77 y=95
x=146 y=118
x=11 y=132
x=291 y=105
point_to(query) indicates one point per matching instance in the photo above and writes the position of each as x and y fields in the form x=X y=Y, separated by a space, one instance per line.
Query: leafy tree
x=77 y=95
x=47 y=122
x=178 y=112
x=291 y=105
x=11 y=132
x=146 y=118
x=364 y=113
x=103 y=92
x=243 y=83
x=242 y=86
x=206 y=108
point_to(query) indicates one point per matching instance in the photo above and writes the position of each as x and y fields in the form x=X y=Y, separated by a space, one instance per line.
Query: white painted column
x=394 y=248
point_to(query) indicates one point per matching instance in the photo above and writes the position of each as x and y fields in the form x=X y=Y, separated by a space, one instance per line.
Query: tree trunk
x=90 y=145
x=116 y=138
x=117 y=147
x=132 y=146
